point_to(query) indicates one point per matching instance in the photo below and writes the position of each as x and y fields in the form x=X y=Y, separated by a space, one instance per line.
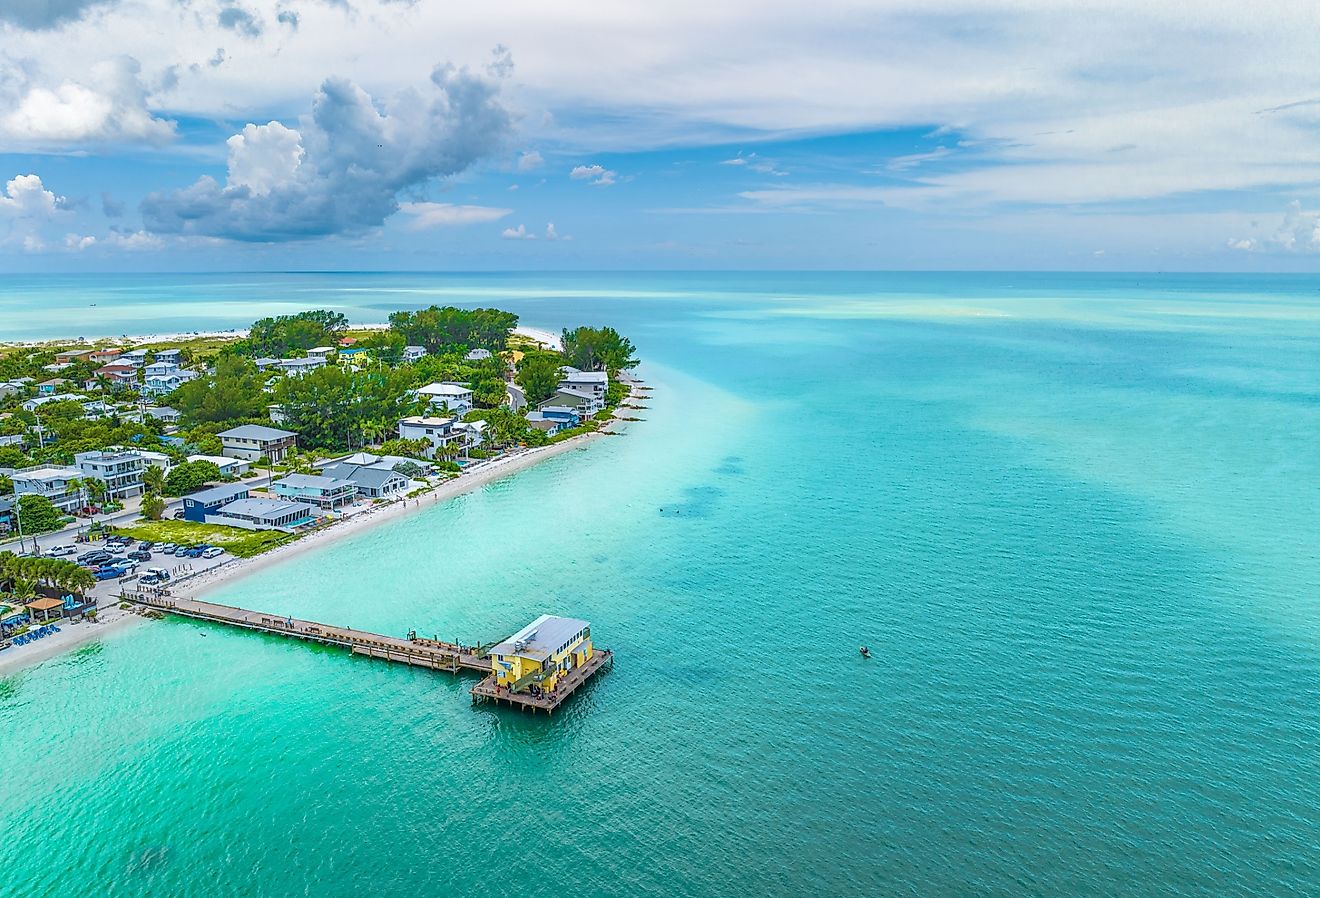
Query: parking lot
x=106 y=592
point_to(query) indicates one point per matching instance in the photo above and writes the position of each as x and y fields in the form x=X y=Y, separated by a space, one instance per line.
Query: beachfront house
x=265 y=514
x=449 y=396
x=321 y=352
x=68 y=357
x=477 y=355
x=58 y=483
x=253 y=441
x=594 y=382
x=439 y=432
x=414 y=353
x=229 y=467
x=554 y=418
x=169 y=356
x=265 y=362
x=371 y=481
x=104 y=356
x=323 y=492
x=585 y=402
x=135 y=357
x=541 y=652
x=119 y=469
x=197 y=506
x=471 y=433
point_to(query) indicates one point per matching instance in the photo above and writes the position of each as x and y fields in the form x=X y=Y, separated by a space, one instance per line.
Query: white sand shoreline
x=237 y=333
x=112 y=618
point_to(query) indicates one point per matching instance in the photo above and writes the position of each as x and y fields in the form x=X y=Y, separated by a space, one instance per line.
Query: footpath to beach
x=112 y=618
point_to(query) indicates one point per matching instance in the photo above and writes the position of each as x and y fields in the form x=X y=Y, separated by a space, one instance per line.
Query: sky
x=145 y=135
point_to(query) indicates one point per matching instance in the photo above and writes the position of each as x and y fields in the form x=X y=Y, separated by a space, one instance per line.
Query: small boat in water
x=866 y=653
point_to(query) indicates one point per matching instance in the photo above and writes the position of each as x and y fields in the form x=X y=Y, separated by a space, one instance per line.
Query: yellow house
x=541 y=653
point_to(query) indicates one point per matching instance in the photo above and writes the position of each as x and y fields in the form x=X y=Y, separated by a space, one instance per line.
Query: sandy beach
x=112 y=619
x=532 y=333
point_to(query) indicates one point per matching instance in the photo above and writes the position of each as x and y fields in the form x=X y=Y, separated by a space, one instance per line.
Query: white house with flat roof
x=413 y=353
x=439 y=432
x=325 y=492
x=321 y=352
x=119 y=469
x=477 y=355
x=58 y=483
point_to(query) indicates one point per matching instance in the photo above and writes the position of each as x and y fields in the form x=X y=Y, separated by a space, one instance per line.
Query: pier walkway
x=413 y=651
x=416 y=652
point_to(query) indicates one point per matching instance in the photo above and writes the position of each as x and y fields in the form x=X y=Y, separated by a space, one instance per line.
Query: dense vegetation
x=442 y=330
x=597 y=348
x=286 y=335
x=22 y=576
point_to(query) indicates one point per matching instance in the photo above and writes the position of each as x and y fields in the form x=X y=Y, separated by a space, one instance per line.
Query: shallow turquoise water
x=1075 y=518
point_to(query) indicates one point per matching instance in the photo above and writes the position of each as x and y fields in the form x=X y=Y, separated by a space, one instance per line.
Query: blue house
x=197 y=506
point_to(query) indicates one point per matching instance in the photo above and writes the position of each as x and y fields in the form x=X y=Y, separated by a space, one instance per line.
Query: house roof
x=266 y=508
x=373 y=478
x=314 y=481
x=587 y=377
x=45 y=604
x=256 y=432
x=445 y=389
x=218 y=493
x=541 y=638
x=427 y=421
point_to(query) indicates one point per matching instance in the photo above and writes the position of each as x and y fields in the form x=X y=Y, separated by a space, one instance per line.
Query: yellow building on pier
x=541 y=653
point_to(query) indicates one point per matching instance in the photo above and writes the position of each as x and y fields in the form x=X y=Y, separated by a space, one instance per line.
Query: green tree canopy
x=538 y=375
x=446 y=329
x=233 y=393
x=189 y=476
x=38 y=515
x=277 y=337
x=594 y=348
x=334 y=408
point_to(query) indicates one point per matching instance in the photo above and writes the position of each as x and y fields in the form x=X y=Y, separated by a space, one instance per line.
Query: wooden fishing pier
x=414 y=651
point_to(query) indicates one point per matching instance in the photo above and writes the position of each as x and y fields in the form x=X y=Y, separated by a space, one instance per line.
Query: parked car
x=178 y=515
x=158 y=572
x=106 y=573
x=192 y=552
x=139 y=555
x=96 y=557
x=146 y=545
x=167 y=548
x=213 y=552
x=149 y=580
x=61 y=551
x=116 y=548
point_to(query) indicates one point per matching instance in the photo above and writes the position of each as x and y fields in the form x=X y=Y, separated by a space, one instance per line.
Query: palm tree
x=153 y=479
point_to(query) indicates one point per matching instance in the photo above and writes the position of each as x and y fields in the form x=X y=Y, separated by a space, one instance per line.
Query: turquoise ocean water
x=1077 y=519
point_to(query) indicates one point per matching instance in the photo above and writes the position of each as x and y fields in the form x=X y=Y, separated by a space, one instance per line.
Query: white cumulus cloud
x=518 y=233
x=107 y=105
x=596 y=175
